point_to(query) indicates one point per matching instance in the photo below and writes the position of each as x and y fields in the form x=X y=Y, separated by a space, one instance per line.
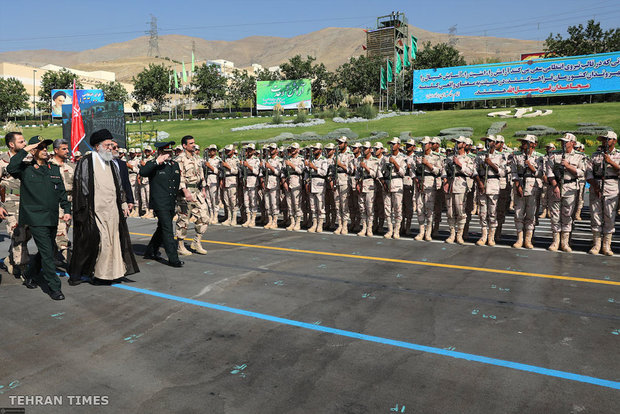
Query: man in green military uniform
x=42 y=191
x=165 y=178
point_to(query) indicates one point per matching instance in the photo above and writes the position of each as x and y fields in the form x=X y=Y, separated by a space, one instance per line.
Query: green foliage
x=367 y=111
x=302 y=116
x=496 y=128
x=277 y=118
x=583 y=41
x=360 y=76
x=342 y=112
x=322 y=79
x=440 y=55
x=242 y=87
x=209 y=85
x=113 y=91
x=13 y=97
x=62 y=79
x=325 y=114
x=151 y=85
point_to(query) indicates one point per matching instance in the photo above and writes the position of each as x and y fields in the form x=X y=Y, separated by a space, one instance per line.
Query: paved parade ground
x=290 y=322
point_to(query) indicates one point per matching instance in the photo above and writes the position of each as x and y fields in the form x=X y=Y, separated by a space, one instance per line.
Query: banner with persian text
x=288 y=93
x=574 y=75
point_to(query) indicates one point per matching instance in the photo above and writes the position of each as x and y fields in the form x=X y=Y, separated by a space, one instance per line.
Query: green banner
x=288 y=93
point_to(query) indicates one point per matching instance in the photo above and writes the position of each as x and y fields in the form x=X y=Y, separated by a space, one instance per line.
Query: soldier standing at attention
x=367 y=170
x=603 y=174
x=458 y=168
x=491 y=168
x=317 y=166
x=527 y=170
x=354 y=199
x=342 y=189
x=132 y=168
x=229 y=185
x=251 y=164
x=144 y=184
x=212 y=166
x=379 y=200
x=579 y=148
x=440 y=196
x=18 y=258
x=563 y=170
x=165 y=176
x=41 y=193
x=505 y=186
x=409 y=193
x=293 y=185
x=393 y=173
x=273 y=165
x=192 y=199
x=546 y=188
x=61 y=155
x=428 y=169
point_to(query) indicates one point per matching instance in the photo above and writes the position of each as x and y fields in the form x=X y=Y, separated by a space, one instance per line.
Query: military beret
x=38 y=139
x=164 y=145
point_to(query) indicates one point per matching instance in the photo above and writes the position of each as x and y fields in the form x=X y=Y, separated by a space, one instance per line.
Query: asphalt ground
x=271 y=321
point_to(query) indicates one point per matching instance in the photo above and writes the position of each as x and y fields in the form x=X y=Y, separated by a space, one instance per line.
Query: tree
x=360 y=76
x=208 y=85
x=62 y=79
x=298 y=68
x=151 y=85
x=441 y=55
x=13 y=97
x=267 y=75
x=583 y=41
x=241 y=88
x=113 y=91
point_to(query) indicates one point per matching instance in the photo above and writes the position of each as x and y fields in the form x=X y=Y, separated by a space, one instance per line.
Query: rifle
x=388 y=167
x=244 y=169
x=561 y=168
x=333 y=171
x=605 y=149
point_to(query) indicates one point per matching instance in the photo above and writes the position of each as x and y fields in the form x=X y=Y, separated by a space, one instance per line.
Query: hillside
x=332 y=46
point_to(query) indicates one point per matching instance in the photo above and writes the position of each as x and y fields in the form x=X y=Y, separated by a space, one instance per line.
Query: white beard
x=105 y=155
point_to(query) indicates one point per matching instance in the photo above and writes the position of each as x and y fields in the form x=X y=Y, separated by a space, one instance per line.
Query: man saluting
x=41 y=192
x=165 y=178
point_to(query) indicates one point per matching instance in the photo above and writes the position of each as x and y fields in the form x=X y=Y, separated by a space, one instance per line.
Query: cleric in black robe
x=87 y=238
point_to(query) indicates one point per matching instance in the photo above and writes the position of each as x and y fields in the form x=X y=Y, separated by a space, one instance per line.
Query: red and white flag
x=77 y=125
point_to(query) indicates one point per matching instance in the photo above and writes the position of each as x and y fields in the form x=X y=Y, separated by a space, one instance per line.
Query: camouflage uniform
x=428 y=185
x=367 y=169
x=193 y=180
x=456 y=177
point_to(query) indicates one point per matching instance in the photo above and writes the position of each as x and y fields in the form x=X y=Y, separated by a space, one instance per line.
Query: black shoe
x=177 y=264
x=123 y=279
x=75 y=282
x=29 y=283
x=100 y=282
x=57 y=295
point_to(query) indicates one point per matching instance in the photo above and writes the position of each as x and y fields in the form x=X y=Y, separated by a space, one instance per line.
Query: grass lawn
x=218 y=131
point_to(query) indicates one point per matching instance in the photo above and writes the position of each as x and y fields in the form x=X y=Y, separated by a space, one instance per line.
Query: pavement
x=271 y=321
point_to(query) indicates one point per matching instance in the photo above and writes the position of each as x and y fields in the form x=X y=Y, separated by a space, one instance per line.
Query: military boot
x=420 y=235
x=491 y=241
x=596 y=243
x=555 y=244
x=566 y=242
x=528 y=239
x=483 y=238
x=396 y=234
x=519 y=242
x=197 y=245
x=390 y=230
x=459 y=235
x=606 y=248
x=312 y=228
x=319 y=226
x=339 y=228
x=369 y=228
x=292 y=225
x=345 y=227
x=428 y=235
x=362 y=232
x=452 y=236
x=182 y=250
x=297 y=224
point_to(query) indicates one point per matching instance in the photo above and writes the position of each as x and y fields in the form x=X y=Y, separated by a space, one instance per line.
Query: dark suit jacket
x=164 y=181
x=122 y=168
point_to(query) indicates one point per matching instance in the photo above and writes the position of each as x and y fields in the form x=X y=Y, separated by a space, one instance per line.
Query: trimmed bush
x=496 y=128
x=457 y=131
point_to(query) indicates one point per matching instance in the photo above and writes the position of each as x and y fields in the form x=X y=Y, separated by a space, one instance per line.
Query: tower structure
x=389 y=37
x=154 y=37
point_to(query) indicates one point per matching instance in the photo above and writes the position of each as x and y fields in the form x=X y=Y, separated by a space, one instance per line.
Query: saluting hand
x=66 y=218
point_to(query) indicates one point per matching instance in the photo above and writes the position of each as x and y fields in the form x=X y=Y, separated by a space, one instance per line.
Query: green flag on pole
x=184 y=73
x=390 y=76
x=399 y=63
x=383 y=85
x=406 y=60
x=414 y=46
x=169 y=83
x=193 y=63
x=176 y=81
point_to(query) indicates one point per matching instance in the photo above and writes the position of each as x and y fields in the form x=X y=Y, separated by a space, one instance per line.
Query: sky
x=87 y=24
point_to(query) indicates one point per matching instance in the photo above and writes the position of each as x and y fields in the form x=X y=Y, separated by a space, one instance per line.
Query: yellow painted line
x=413 y=262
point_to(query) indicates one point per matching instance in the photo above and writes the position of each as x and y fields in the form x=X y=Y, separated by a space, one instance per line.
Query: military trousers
x=19 y=234
x=164 y=236
x=455 y=206
x=196 y=209
x=42 y=267
x=488 y=210
x=317 y=204
x=425 y=200
x=213 y=200
x=144 y=196
x=272 y=201
x=341 y=197
x=293 y=201
x=408 y=202
x=561 y=210
x=250 y=199
x=230 y=200
x=393 y=205
x=367 y=205
x=525 y=211
x=603 y=213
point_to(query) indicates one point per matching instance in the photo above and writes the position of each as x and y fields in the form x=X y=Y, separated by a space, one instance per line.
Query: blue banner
x=574 y=75
x=62 y=97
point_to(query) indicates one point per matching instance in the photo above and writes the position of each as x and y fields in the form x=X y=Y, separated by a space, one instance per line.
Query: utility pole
x=34 y=104
x=154 y=37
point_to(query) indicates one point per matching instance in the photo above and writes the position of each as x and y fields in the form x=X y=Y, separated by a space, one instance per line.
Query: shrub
x=367 y=111
x=276 y=118
x=302 y=116
x=496 y=128
x=342 y=112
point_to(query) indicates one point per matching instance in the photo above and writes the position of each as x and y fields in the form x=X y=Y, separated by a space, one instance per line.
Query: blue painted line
x=386 y=341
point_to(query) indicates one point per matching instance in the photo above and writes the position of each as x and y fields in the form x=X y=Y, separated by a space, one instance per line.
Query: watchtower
x=389 y=37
